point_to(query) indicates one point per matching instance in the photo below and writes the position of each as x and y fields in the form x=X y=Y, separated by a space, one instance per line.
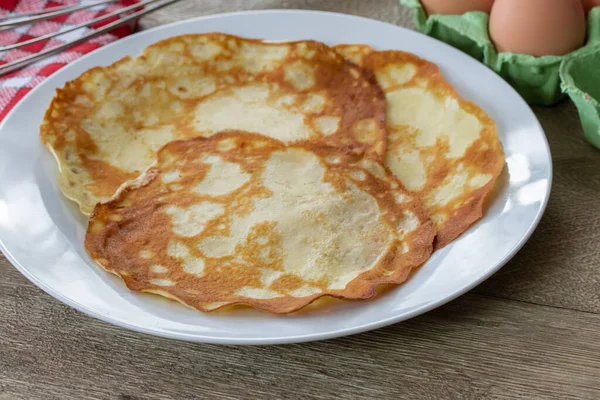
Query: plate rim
x=203 y=338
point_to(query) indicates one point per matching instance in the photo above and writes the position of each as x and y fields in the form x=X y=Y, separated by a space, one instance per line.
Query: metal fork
x=12 y=21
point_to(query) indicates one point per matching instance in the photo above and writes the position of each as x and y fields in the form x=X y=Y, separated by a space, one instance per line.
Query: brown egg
x=537 y=27
x=589 y=4
x=456 y=6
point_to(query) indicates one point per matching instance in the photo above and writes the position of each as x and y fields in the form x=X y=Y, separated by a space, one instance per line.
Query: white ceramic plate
x=42 y=233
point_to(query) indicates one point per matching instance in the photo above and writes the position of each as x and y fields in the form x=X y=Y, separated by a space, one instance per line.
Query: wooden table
x=530 y=331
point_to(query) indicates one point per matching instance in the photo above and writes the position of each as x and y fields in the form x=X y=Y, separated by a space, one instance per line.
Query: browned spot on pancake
x=105 y=177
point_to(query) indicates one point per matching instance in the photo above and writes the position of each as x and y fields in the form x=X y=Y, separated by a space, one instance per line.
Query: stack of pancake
x=219 y=170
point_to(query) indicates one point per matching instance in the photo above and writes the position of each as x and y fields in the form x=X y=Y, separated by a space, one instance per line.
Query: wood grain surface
x=530 y=331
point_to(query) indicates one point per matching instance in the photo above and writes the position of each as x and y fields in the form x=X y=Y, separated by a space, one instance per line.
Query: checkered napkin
x=17 y=84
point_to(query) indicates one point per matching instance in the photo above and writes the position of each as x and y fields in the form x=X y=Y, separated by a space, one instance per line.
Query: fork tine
x=24 y=20
x=44 y=11
x=14 y=65
x=78 y=26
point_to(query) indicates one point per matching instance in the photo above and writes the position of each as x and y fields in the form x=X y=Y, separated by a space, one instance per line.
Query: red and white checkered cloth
x=17 y=84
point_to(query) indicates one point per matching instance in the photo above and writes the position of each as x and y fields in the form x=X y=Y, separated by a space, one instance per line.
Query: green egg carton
x=581 y=81
x=537 y=79
x=540 y=80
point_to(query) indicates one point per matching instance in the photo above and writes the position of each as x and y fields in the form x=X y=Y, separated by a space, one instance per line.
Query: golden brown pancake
x=442 y=147
x=240 y=218
x=105 y=126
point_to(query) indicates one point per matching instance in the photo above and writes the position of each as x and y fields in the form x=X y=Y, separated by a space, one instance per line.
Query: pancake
x=443 y=148
x=240 y=218
x=105 y=127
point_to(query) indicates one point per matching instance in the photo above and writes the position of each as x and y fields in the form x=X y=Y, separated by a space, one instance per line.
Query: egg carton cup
x=540 y=80
x=581 y=81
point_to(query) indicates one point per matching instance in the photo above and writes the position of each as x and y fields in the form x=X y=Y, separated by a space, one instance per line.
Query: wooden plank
x=476 y=347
